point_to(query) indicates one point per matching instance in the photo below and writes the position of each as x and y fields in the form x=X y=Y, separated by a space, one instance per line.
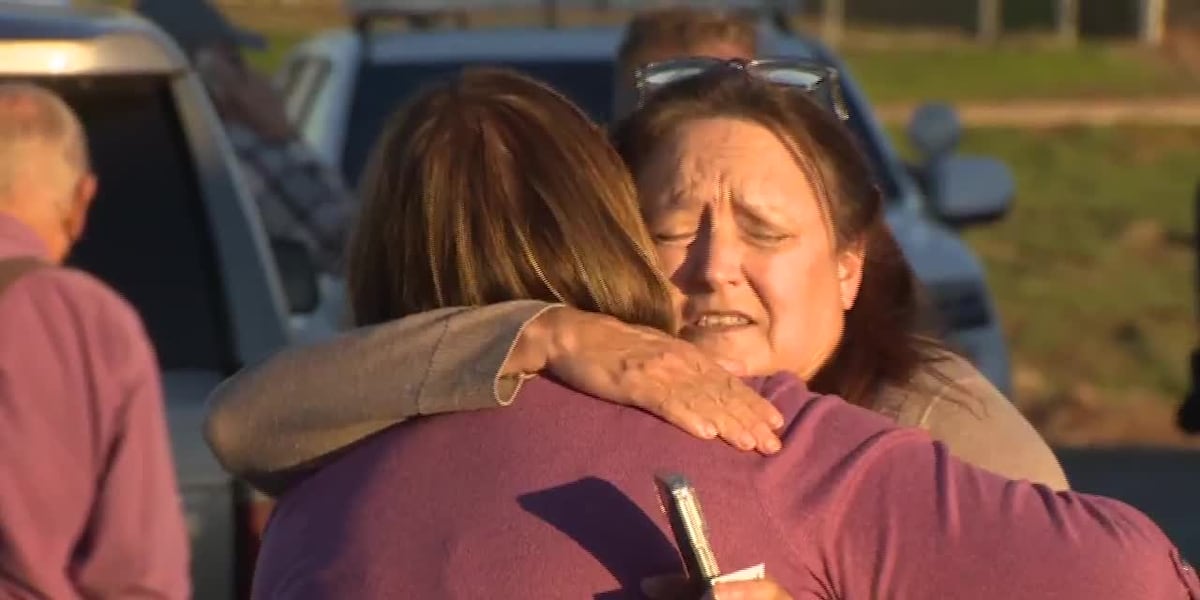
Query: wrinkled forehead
x=721 y=153
x=711 y=160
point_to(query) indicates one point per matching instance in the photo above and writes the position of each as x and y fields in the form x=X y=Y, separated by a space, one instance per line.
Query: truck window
x=147 y=233
x=383 y=88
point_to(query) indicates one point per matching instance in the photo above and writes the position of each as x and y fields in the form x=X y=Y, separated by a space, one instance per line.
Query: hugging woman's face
x=750 y=252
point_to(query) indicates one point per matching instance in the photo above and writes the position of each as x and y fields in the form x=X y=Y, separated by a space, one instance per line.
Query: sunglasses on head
x=820 y=82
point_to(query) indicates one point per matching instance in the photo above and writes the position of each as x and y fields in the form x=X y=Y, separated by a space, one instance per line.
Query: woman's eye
x=673 y=237
x=769 y=237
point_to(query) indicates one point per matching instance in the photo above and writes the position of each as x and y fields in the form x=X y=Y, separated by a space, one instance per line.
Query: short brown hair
x=493 y=187
x=683 y=30
x=884 y=341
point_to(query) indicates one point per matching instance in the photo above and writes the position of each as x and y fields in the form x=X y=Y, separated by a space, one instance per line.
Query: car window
x=147 y=233
x=382 y=88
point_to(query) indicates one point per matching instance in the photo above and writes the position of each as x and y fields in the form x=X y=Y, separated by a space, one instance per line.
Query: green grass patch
x=963 y=72
x=279 y=43
x=1093 y=269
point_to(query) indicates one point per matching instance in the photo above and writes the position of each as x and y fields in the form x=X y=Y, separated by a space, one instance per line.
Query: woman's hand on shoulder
x=658 y=373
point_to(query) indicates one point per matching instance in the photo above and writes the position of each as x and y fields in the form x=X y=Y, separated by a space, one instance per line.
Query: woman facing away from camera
x=468 y=202
x=779 y=259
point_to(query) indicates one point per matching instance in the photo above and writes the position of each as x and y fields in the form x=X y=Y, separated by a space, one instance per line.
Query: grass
x=1093 y=270
x=280 y=42
x=960 y=72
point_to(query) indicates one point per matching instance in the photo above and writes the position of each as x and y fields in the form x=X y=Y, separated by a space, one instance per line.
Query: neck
x=48 y=227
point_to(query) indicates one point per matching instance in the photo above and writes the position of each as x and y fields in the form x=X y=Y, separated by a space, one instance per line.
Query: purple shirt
x=89 y=506
x=553 y=498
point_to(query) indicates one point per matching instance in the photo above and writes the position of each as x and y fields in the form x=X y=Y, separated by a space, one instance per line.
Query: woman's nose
x=714 y=258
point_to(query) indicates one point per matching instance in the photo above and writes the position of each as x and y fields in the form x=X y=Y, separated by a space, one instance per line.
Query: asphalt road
x=1163 y=483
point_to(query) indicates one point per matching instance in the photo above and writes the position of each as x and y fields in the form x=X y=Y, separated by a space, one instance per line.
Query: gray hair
x=33 y=117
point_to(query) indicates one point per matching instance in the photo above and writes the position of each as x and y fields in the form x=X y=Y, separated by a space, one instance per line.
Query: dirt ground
x=1058 y=113
x=1074 y=423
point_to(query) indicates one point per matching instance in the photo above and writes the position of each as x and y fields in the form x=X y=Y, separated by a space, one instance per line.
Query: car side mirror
x=969 y=190
x=298 y=274
x=935 y=131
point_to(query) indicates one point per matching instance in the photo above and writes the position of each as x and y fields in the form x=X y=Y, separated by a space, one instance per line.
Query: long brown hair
x=884 y=341
x=493 y=187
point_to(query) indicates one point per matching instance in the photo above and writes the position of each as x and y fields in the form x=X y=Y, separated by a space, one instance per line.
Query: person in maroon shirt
x=469 y=201
x=89 y=505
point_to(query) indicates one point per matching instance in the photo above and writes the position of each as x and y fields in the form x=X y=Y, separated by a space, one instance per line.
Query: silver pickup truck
x=174 y=232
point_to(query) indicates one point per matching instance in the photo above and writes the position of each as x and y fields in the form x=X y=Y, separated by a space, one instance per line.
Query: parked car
x=173 y=231
x=342 y=85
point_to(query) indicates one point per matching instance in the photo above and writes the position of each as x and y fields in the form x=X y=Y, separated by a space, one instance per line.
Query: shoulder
x=74 y=289
x=951 y=399
x=75 y=303
x=947 y=379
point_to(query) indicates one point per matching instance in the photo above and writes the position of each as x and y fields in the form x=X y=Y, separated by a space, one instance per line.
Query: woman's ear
x=851 y=262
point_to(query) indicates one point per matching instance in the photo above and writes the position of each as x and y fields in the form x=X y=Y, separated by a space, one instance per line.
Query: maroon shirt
x=89 y=506
x=553 y=498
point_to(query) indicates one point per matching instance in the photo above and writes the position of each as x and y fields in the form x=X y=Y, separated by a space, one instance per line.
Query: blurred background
x=1092 y=106
x=1095 y=106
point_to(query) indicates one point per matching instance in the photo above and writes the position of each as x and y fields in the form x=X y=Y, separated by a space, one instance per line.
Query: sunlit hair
x=37 y=125
x=493 y=187
x=682 y=30
x=886 y=335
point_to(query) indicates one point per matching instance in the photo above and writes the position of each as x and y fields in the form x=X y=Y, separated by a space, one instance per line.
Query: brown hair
x=682 y=30
x=493 y=187
x=883 y=342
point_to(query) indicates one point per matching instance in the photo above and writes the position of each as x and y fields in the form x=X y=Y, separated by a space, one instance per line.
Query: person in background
x=89 y=505
x=554 y=497
x=299 y=196
x=664 y=33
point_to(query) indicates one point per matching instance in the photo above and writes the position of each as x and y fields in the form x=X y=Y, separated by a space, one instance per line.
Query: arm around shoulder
x=273 y=422
x=982 y=427
x=906 y=519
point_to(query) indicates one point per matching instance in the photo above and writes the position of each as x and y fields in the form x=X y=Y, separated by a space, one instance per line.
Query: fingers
x=760 y=589
x=744 y=419
x=673 y=380
x=720 y=410
x=708 y=402
x=684 y=417
x=738 y=428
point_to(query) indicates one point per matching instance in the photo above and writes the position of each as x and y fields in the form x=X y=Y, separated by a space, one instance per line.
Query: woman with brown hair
x=467 y=201
x=767 y=223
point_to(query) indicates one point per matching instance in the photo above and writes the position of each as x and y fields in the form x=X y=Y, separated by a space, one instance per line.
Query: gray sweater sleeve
x=273 y=423
x=959 y=407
